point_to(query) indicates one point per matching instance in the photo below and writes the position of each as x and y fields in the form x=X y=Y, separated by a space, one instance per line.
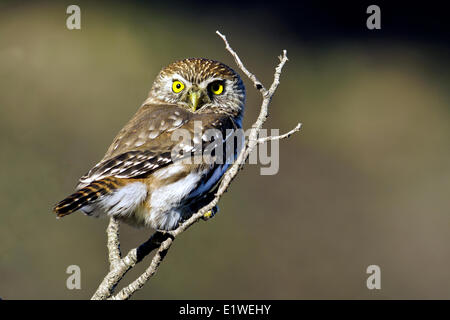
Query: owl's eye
x=177 y=86
x=216 y=87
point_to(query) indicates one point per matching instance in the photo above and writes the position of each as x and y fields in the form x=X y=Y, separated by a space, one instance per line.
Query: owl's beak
x=194 y=98
x=197 y=98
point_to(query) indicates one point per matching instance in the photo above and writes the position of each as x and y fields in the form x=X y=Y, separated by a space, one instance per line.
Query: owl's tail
x=86 y=195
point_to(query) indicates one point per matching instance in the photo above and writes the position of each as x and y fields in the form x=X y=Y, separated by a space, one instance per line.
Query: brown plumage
x=141 y=180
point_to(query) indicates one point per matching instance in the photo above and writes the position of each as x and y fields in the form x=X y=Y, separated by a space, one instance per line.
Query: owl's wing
x=145 y=144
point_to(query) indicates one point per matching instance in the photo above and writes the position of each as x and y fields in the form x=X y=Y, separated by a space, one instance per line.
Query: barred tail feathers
x=85 y=196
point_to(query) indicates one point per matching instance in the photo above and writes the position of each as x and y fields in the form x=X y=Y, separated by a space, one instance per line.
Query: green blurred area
x=366 y=181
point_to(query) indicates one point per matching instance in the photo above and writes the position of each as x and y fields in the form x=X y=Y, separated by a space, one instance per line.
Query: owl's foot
x=208 y=215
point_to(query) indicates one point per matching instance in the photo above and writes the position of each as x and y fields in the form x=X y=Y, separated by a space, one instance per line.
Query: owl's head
x=200 y=85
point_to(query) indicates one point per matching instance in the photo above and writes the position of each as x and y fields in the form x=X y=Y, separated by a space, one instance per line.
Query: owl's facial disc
x=201 y=86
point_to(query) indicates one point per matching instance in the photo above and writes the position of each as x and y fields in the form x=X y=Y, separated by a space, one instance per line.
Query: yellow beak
x=194 y=98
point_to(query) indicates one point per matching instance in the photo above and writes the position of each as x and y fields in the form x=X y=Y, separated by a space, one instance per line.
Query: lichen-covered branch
x=113 y=243
x=163 y=240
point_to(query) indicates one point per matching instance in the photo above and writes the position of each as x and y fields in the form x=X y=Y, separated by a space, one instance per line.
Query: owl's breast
x=174 y=190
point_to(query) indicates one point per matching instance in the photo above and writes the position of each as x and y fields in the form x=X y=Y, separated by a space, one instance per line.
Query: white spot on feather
x=153 y=134
x=177 y=122
x=139 y=143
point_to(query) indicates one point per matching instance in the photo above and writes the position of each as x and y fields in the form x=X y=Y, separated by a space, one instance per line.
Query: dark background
x=365 y=182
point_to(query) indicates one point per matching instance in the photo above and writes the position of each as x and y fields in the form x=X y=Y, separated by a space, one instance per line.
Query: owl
x=139 y=180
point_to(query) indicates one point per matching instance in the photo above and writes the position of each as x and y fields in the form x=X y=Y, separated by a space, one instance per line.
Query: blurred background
x=365 y=182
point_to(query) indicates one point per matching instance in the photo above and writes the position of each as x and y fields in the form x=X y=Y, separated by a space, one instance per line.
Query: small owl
x=139 y=181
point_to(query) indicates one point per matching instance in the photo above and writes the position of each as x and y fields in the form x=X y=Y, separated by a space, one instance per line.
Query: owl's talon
x=208 y=215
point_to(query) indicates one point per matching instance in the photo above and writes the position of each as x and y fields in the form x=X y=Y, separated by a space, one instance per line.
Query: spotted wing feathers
x=145 y=144
x=132 y=164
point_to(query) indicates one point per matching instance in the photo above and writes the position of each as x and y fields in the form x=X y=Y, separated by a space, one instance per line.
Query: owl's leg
x=211 y=213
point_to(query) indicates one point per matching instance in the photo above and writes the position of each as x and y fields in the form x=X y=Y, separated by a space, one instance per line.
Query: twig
x=280 y=137
x=258 y=85
x=163 y=240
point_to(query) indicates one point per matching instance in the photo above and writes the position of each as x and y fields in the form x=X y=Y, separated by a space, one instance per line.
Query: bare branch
x=113 y=243
x=137 y=284
x=133 y=257
x=106 y=287
x=163 y=240
x=280 y=137
x=258 y=85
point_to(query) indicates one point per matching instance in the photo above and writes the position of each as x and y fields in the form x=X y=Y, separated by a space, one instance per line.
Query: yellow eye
x=177 y=86
x=217 y=88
